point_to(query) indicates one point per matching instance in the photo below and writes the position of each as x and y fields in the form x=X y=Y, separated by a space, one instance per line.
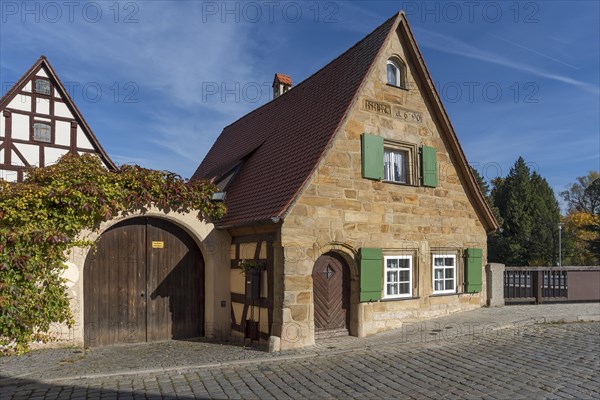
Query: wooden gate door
x=331 y=293
x=144 y=282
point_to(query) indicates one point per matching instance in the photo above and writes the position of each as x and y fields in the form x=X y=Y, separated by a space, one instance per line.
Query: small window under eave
x=396 y=73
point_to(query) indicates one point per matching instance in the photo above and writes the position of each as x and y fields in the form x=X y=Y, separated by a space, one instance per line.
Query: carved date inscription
x=395 y=112
x=379 y=108
x=407 y=115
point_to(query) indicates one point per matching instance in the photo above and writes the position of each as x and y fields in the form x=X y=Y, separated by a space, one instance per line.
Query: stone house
x=352 y=192
x=351 y=209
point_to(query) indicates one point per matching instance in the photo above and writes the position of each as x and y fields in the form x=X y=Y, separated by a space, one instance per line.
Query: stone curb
x=317 y=353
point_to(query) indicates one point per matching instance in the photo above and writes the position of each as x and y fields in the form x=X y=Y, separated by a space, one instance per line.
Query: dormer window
x=396 y=73
x=42 y=86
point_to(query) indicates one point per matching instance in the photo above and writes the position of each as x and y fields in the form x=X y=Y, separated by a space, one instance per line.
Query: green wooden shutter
x=372 y=156
x=473 y=268
x=371 y=274
x=429 y=169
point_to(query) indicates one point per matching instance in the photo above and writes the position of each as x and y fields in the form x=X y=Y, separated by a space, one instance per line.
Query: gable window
x=42 y=86
x=42 y=132
x=444 y=274
x=397 y=277
x=395 y=165
x=399 y=162
x=395 y=73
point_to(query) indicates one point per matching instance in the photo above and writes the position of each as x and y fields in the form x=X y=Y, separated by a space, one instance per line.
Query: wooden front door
x=331 y=293
x=143 y=282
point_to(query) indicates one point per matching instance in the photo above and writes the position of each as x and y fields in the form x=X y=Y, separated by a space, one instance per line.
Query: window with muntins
x=398 y=277
x=42 y=132
x=444 y=274
x=42 y=86
x=396 y=165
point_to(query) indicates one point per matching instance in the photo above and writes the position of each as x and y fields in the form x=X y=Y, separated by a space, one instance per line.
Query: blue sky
x=158 y=80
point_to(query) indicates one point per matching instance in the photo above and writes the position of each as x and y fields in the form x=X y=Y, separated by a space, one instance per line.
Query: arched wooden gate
x=143 y=282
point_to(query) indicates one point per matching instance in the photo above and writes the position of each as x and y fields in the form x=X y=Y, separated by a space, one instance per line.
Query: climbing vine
x=40 y=223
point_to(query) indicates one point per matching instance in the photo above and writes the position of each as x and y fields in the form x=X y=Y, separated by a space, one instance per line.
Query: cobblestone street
x=534 y=361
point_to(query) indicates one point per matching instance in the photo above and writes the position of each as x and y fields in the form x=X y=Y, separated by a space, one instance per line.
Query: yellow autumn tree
x=576 y=225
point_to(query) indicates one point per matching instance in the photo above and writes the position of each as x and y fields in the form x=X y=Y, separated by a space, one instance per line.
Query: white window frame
x=443 y=268
x=410 y=167
x=389 y=170
x=410 y=277
x=400 y=68
x=395 y=65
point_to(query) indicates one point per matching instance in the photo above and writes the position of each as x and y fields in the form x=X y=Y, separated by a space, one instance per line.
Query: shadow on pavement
x=18 y=388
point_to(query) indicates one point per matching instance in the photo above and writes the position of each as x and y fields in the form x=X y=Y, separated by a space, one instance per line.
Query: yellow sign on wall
x=158 y=245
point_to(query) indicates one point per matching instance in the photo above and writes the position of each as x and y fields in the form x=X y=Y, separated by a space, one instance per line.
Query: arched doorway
x=144 y=281
x=331 y=294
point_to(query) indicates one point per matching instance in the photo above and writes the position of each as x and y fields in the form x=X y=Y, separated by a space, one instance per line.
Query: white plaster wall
x=214 y=246
x=1 y=153
x=20 y=126
x=15 y=159
x=82 y=140
x=61 y=110
x=27 y=87
x=9 y=176
x=31 y=152
x=21 y=102
x=2 y=124
x=62 y=133
x=42 y=106
x=42 y=73
x=51 y=155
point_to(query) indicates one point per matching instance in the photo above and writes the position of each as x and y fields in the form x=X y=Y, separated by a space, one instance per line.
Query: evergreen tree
x=529 y=219
x=546 y=217
x=485 y=189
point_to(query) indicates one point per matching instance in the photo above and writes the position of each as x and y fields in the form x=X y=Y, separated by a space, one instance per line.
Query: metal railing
x=551 y=284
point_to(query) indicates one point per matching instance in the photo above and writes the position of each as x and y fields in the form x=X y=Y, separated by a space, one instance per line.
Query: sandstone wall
x=339 y=209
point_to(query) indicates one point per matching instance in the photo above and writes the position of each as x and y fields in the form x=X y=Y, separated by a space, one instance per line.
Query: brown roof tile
x=285 y=139
x=281 y=143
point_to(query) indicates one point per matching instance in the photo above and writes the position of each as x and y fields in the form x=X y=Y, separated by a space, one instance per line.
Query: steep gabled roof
x=288 y=135
x=283 y=141
x=42 y=62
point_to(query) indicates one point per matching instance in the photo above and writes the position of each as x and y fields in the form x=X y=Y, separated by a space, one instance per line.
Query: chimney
x=281 y=84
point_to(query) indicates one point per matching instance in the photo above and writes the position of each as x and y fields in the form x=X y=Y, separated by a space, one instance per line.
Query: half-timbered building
x=39 y=122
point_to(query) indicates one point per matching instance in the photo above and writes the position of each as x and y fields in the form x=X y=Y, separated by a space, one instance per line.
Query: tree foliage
x=582 y=234
x=485 y=190
x=583 y=195
x=582 y=222
x=41 y=219
x=530 y=216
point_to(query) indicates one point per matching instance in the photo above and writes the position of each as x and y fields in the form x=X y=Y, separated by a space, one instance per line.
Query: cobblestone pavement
x=177 y=355
x=534 y=361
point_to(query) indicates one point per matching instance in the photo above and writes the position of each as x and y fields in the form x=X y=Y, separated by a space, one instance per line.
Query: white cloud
x=172 y=56
x=451 y=45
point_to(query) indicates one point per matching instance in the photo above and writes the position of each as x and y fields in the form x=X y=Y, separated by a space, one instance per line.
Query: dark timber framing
x=58 y=94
